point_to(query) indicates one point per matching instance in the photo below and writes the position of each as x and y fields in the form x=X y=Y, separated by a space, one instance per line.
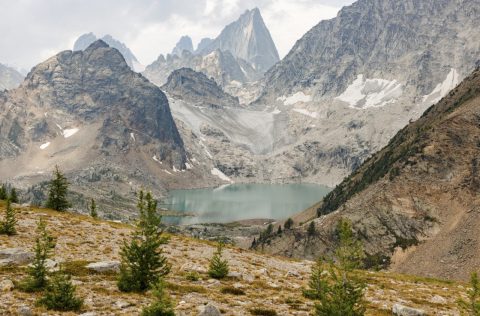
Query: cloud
x=33 y=30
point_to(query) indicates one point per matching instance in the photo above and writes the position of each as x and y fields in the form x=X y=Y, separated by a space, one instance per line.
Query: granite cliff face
x=249 y=39
x=89 y=113
x=87 y=39
x=241 y=54
x=195 y=87
x=9 y=78
x=414 y=204
x=415 y=43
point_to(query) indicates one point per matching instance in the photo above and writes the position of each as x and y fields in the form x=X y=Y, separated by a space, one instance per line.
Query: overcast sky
x=33 y=30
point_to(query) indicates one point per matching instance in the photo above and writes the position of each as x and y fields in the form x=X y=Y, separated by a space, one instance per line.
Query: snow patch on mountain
x=306 y=112
x=69 y=132
x=366 y=93
x=221 y=175
x=443 y=88
x=295 y=98
x=45 y=145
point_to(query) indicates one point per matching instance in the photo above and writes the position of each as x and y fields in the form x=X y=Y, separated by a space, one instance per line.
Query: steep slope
x=9 y=78
x=351 y=83
x=86 y=40
x=185 y=43
x=409 y=41
x=101 y=122
x=195 y=87
x=249 y=39
x=414 y=203
x=270 y=283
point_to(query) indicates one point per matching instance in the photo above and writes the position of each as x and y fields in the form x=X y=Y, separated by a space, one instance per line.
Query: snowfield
x=367 y=93
x=443 y=88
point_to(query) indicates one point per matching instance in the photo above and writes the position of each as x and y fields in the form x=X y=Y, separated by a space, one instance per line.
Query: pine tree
x=60 y=294
x=3 y=192
x=288 y=224
x=338 y=290
x=37 y=272
x=8 y=225
x=162 y=306
x=311 y=229
x=93 y=209
x=472 y=307
x=279 y=230
x=13 y=195
x=218 y=267
x=143 y=263
x=57 y=192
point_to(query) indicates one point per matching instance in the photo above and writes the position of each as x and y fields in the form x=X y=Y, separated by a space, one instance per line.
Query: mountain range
x=9 y=78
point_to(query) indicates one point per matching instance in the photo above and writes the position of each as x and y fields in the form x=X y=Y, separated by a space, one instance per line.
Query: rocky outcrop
x=9 y=78
x=195 y=87
x=15 y=256
x=249 y=39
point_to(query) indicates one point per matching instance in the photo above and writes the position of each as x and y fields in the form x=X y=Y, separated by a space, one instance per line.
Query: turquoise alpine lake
x=236 y=202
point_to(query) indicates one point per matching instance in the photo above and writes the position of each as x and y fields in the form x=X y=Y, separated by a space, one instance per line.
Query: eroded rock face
x=416 y=43
x=195 y=87
x=87 y=110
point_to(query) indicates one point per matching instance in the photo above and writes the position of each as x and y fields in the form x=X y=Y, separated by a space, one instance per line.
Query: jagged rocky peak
x=196 y=88
x=95 y=87
x=87 y=39
x=204 y=42
x=414 y=43
x=9 y=78
x=247 y=38
x=184 y=44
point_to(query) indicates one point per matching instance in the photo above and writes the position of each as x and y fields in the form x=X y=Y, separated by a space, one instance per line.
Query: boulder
x=15 y=256
x=6 y=285
x=24 y=310
x=401 y=310
x=104 y=266
x=209 y=310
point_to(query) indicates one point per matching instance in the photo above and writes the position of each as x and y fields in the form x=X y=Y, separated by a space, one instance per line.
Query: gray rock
x=185 y=43
x=89 y=314
x=195 y=87
x=209 y=310
x=437 y=299
x=104 y=266
x=6 y=286
x=401 y=310
x=122 y=304
x=24 y=310
x=15 y=256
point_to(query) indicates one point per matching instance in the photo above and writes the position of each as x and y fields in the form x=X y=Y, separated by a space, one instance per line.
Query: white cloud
x=33 y=30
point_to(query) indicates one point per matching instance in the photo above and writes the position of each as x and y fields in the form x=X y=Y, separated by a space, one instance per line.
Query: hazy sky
x=33 y=30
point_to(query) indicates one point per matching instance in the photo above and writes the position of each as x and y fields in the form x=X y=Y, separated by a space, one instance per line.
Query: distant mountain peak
x=87 y=39
x=185 y=43
x=247 y=38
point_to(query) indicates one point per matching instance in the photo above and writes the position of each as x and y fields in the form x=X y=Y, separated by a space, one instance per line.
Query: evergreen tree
x=8 y=225
x=288 y=224
x=472 y=307
x=13 y=195
x=338 y=290
x=3 y=192
x=57 y=192
x=218 y=267
x=311 y=229
x=279 y=230
x=143 y=263
x=60 y=294
x=37 y=272
x=93 y=209
x=162 y=306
